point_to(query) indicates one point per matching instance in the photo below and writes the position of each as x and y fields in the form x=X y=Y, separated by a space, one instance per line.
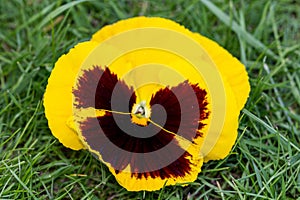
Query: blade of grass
x=269 y=128
x=252 y=41
x=20 y=181
x=57 y=12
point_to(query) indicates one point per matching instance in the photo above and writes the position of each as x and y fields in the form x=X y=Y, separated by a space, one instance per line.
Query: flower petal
x=58 y=94
x=218 y=149
x=231 y=69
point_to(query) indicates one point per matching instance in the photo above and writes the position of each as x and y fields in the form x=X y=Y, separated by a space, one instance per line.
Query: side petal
x=237 y=88
x=219 y=148
x=232 y=70
x=58 y=95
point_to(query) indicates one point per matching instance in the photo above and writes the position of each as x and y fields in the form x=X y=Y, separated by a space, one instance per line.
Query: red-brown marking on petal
x=119 y=149
x=179 y=168
x=95 y=88
x=186 y=106
x=121 y=142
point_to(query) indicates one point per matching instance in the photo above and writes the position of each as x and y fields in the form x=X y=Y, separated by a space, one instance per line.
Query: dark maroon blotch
x=97 y=87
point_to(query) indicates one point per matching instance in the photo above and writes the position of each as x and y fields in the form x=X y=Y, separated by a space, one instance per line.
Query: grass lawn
x=264 y=35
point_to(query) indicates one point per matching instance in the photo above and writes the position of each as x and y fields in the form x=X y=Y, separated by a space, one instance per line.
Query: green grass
x=264 y=35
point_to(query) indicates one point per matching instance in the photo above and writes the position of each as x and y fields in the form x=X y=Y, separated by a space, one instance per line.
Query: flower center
x=140 y=113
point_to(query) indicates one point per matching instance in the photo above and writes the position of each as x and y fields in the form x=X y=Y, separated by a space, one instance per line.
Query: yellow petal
x=215 y=149
x=230 y=67
x=232 y=70
x=58 y=100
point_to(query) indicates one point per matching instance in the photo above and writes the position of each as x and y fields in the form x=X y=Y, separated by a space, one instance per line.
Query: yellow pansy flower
x=151 y=99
